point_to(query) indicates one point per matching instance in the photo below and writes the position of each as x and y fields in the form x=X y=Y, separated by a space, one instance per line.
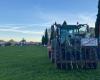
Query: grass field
x=32 y=63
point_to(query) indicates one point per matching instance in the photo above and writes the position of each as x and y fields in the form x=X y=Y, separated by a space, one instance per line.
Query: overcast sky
x=29 y=18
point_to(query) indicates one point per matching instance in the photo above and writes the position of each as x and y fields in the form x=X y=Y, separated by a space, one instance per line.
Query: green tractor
x=71 y=48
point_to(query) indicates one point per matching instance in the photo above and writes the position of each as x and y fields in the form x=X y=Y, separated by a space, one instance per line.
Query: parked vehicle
x=69 y=48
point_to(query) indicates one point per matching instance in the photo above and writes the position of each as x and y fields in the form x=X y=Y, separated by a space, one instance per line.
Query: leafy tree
x=23 y=40
x=97 y=28
x=11 y=40
x=64 y=23
x=52 y=36
x=97 y=24
x=46 y=37
x=43 y=40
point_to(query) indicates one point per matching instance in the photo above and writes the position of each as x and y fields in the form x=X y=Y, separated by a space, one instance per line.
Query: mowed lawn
x=32 y=63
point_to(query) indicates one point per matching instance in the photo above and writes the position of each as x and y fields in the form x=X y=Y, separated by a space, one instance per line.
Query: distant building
x=2 y=43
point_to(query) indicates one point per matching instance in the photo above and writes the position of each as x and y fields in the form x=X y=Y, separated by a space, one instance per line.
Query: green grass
x=32 y=63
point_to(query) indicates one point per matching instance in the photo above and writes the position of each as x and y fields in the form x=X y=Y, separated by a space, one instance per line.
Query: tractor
x=73 y=47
